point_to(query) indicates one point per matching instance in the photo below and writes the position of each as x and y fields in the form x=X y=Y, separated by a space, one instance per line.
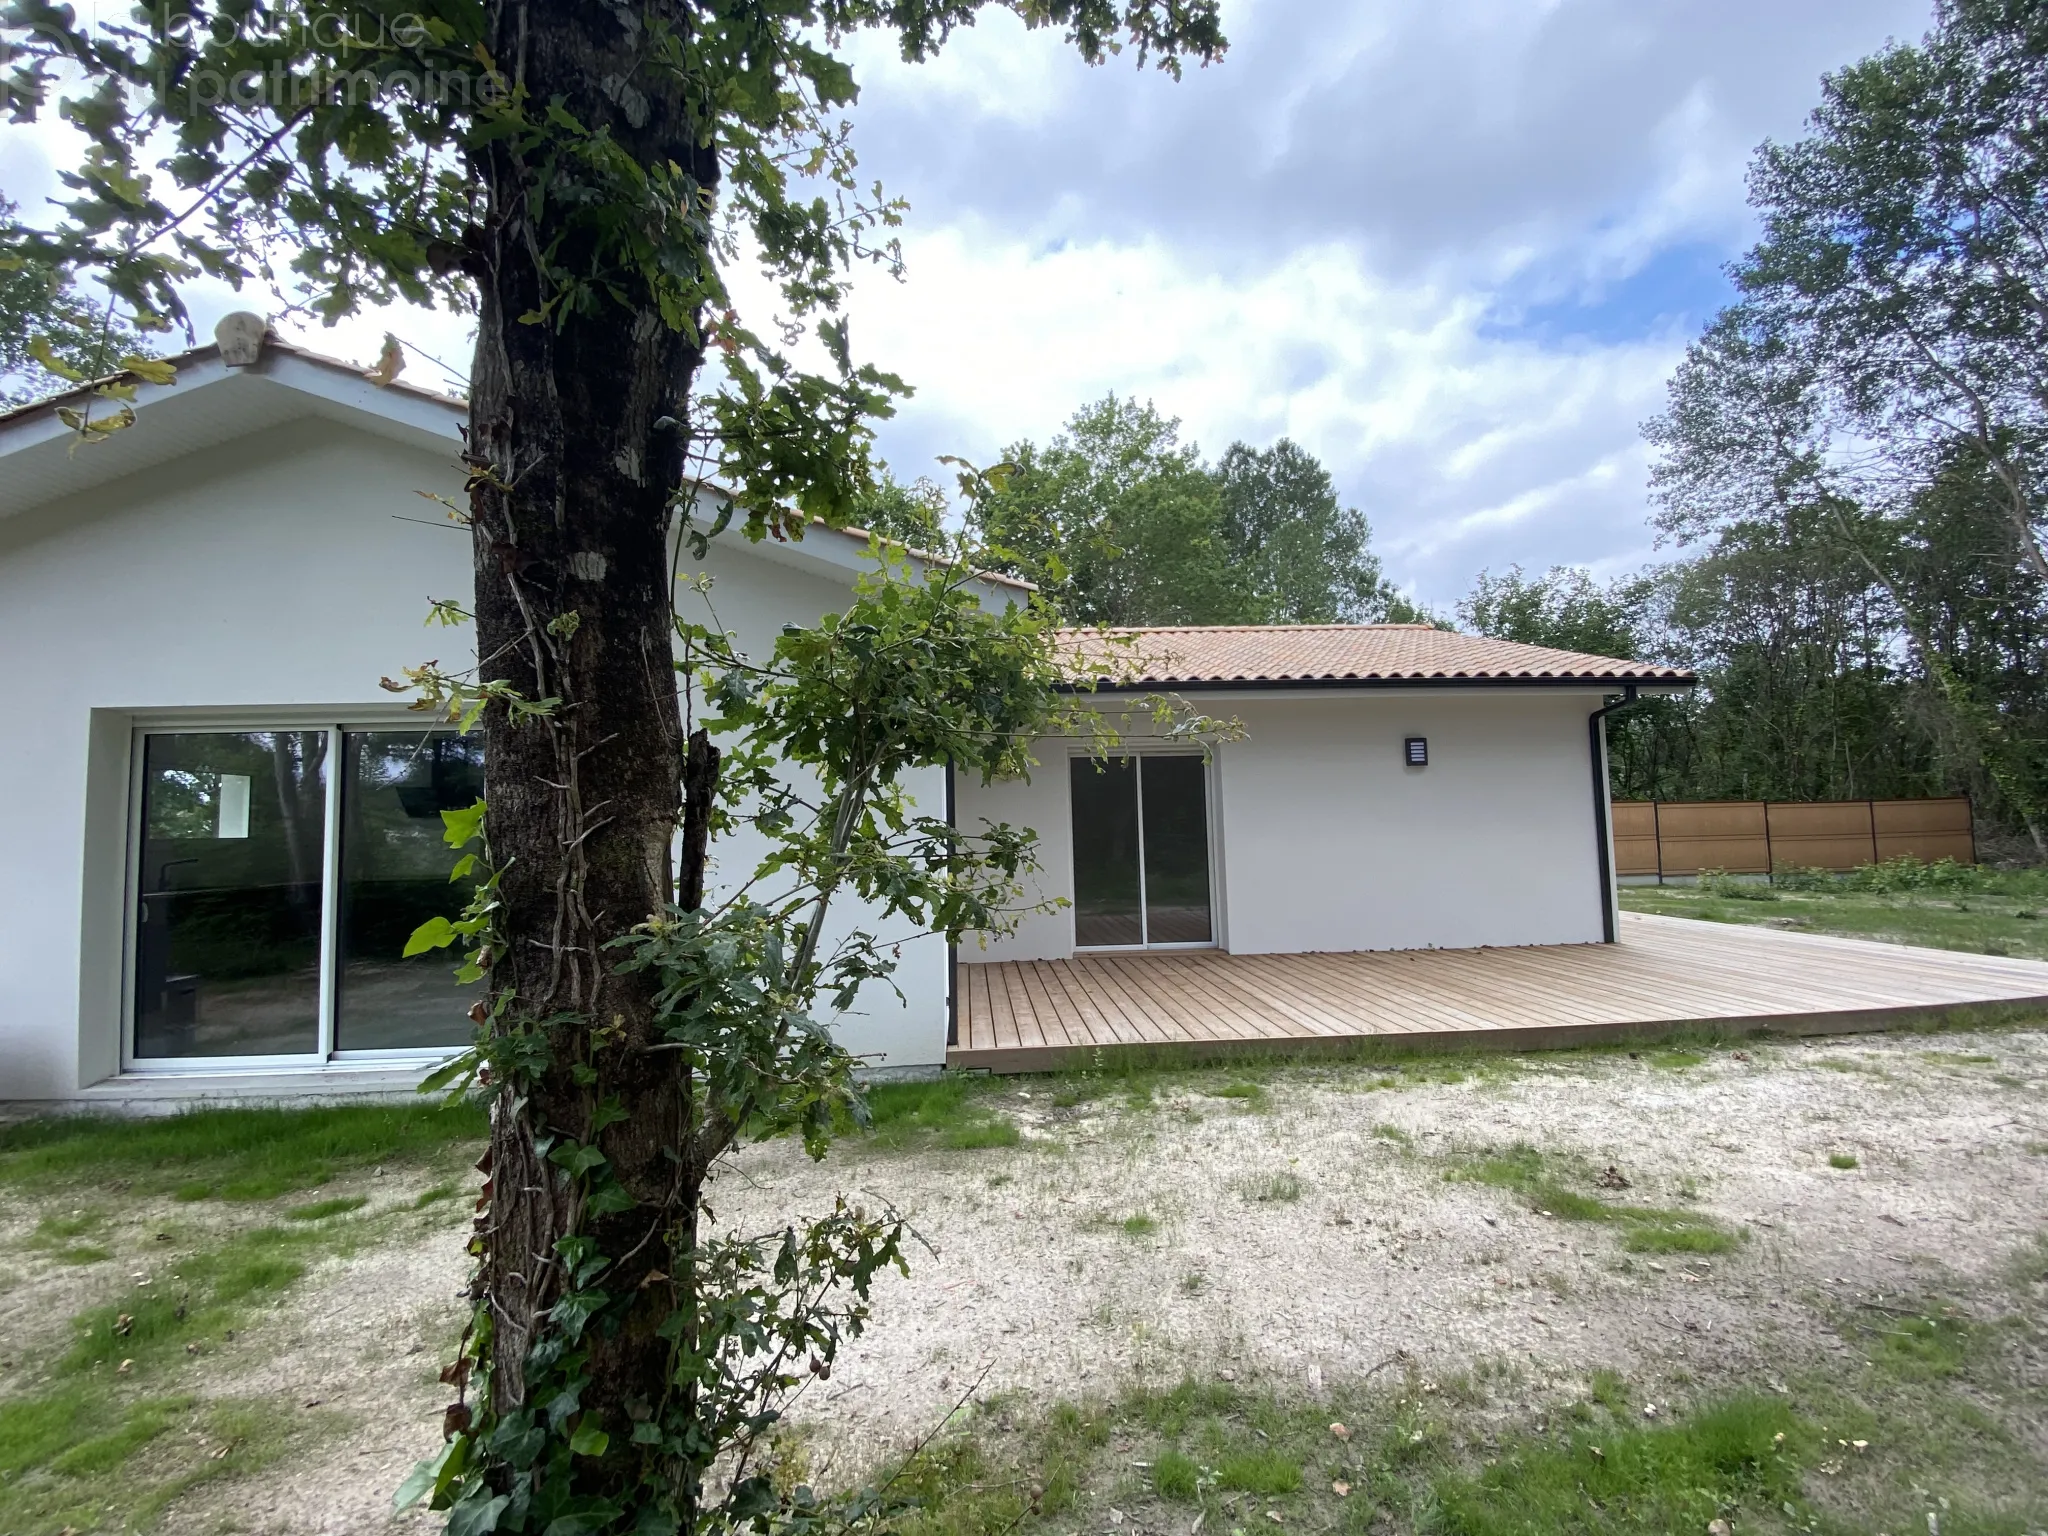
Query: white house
x=217 y=828
x=1389 y=786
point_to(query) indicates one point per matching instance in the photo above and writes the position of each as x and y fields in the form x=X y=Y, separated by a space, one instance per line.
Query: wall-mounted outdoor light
x=1417 y=751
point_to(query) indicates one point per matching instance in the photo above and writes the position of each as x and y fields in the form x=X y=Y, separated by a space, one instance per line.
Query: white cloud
x=1347 y=233
x=1463 y=447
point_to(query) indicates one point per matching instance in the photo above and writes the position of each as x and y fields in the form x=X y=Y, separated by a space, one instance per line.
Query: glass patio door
x=1141 y=852
x=278 y=874
x=230 y=911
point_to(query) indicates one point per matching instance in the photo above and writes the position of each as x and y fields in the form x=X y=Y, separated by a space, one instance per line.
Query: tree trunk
x=569 y=495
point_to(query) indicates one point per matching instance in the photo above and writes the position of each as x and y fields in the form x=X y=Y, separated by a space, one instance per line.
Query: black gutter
x=1265 y=684
x=952 y=949
x=1603 y=812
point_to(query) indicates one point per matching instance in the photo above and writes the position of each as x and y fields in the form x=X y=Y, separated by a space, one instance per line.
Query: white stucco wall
x=752 y=596
x=272 y=579
x=1325 y=840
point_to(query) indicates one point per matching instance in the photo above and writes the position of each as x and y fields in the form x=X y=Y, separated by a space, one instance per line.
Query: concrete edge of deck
x=1556 y=1037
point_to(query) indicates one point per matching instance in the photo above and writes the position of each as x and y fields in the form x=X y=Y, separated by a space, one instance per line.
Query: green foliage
x=1857 y=446
x=1299 y=556
x=1841 y=1160
x=1930 y=1345
x=982 y=1134
x=43 y=311
x=1907 y=873
x=1123 y=524
x=914 y=514
x=1116 y=519
x=1676 y=1060
x=1562 y=608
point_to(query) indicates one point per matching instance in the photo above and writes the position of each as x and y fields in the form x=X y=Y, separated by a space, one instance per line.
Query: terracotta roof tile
x=1221 y=655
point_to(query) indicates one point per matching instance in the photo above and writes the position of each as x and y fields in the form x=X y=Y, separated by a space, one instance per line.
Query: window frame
x=324 y=1054
x=1210 y=810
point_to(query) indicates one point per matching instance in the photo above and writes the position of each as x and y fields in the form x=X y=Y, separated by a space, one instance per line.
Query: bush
x=1718 y=882
x=1907 y=873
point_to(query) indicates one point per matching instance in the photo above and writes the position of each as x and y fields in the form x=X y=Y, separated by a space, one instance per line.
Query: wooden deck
x=1665 y=974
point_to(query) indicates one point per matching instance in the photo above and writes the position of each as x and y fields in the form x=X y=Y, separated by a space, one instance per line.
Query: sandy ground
x=1033 y=1286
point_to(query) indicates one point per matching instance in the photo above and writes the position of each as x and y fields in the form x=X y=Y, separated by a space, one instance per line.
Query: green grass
x=82 y=1253
x=1930 y=1425
x=58 y=1236
x=320 y=1210
x=1410 y=1464
x=1139 y=1224
x=1676 y=1060
x=949 y=1111
x=196 y=1299
x=1176 y=1476
x=78 y=1457
x=1251 y=1094
x=102 y=1425
x=1268 y=1473
x=54 y=1229
x=1662 y=1478
x=1545 y=1185
x=1930 y=1344
x=231 y=1154
x=1841 y=1159
x=2002 y=918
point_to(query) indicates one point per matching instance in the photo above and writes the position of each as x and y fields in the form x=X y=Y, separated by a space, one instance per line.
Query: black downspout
x=1602 y=820
x=952 y=949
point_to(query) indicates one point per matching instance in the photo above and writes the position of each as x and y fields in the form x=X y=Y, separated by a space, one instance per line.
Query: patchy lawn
x=1780 y=1285
x=153 y=1278
x=1983 y=912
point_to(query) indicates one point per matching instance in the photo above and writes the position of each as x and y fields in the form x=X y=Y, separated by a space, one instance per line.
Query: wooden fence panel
x=1926 y=829
x=1713 y=834
x=1751 y=837
x=1825 y=834
x=1635 y=837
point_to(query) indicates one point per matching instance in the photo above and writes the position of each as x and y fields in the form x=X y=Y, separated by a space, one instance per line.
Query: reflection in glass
x=1176 y=812
x=1106 y=898
x=394 y=876
x=227 y=938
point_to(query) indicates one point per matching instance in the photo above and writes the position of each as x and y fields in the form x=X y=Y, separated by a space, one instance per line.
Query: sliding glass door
x=1141 y=852
x=276 y=877
x=228 y=917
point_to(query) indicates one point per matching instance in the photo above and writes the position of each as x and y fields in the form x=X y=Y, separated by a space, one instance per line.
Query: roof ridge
x=1224 y=655
x=1245 y=629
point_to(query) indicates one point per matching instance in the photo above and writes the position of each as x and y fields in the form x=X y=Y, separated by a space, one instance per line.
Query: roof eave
x=1608 y=683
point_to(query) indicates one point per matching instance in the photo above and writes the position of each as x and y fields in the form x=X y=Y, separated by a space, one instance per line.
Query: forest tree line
x=1847 y=479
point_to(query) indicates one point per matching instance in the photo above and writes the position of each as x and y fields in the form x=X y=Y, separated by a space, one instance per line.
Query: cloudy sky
x=1454 y=247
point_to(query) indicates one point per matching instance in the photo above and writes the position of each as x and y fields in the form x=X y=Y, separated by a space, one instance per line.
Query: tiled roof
x=1223 y=655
